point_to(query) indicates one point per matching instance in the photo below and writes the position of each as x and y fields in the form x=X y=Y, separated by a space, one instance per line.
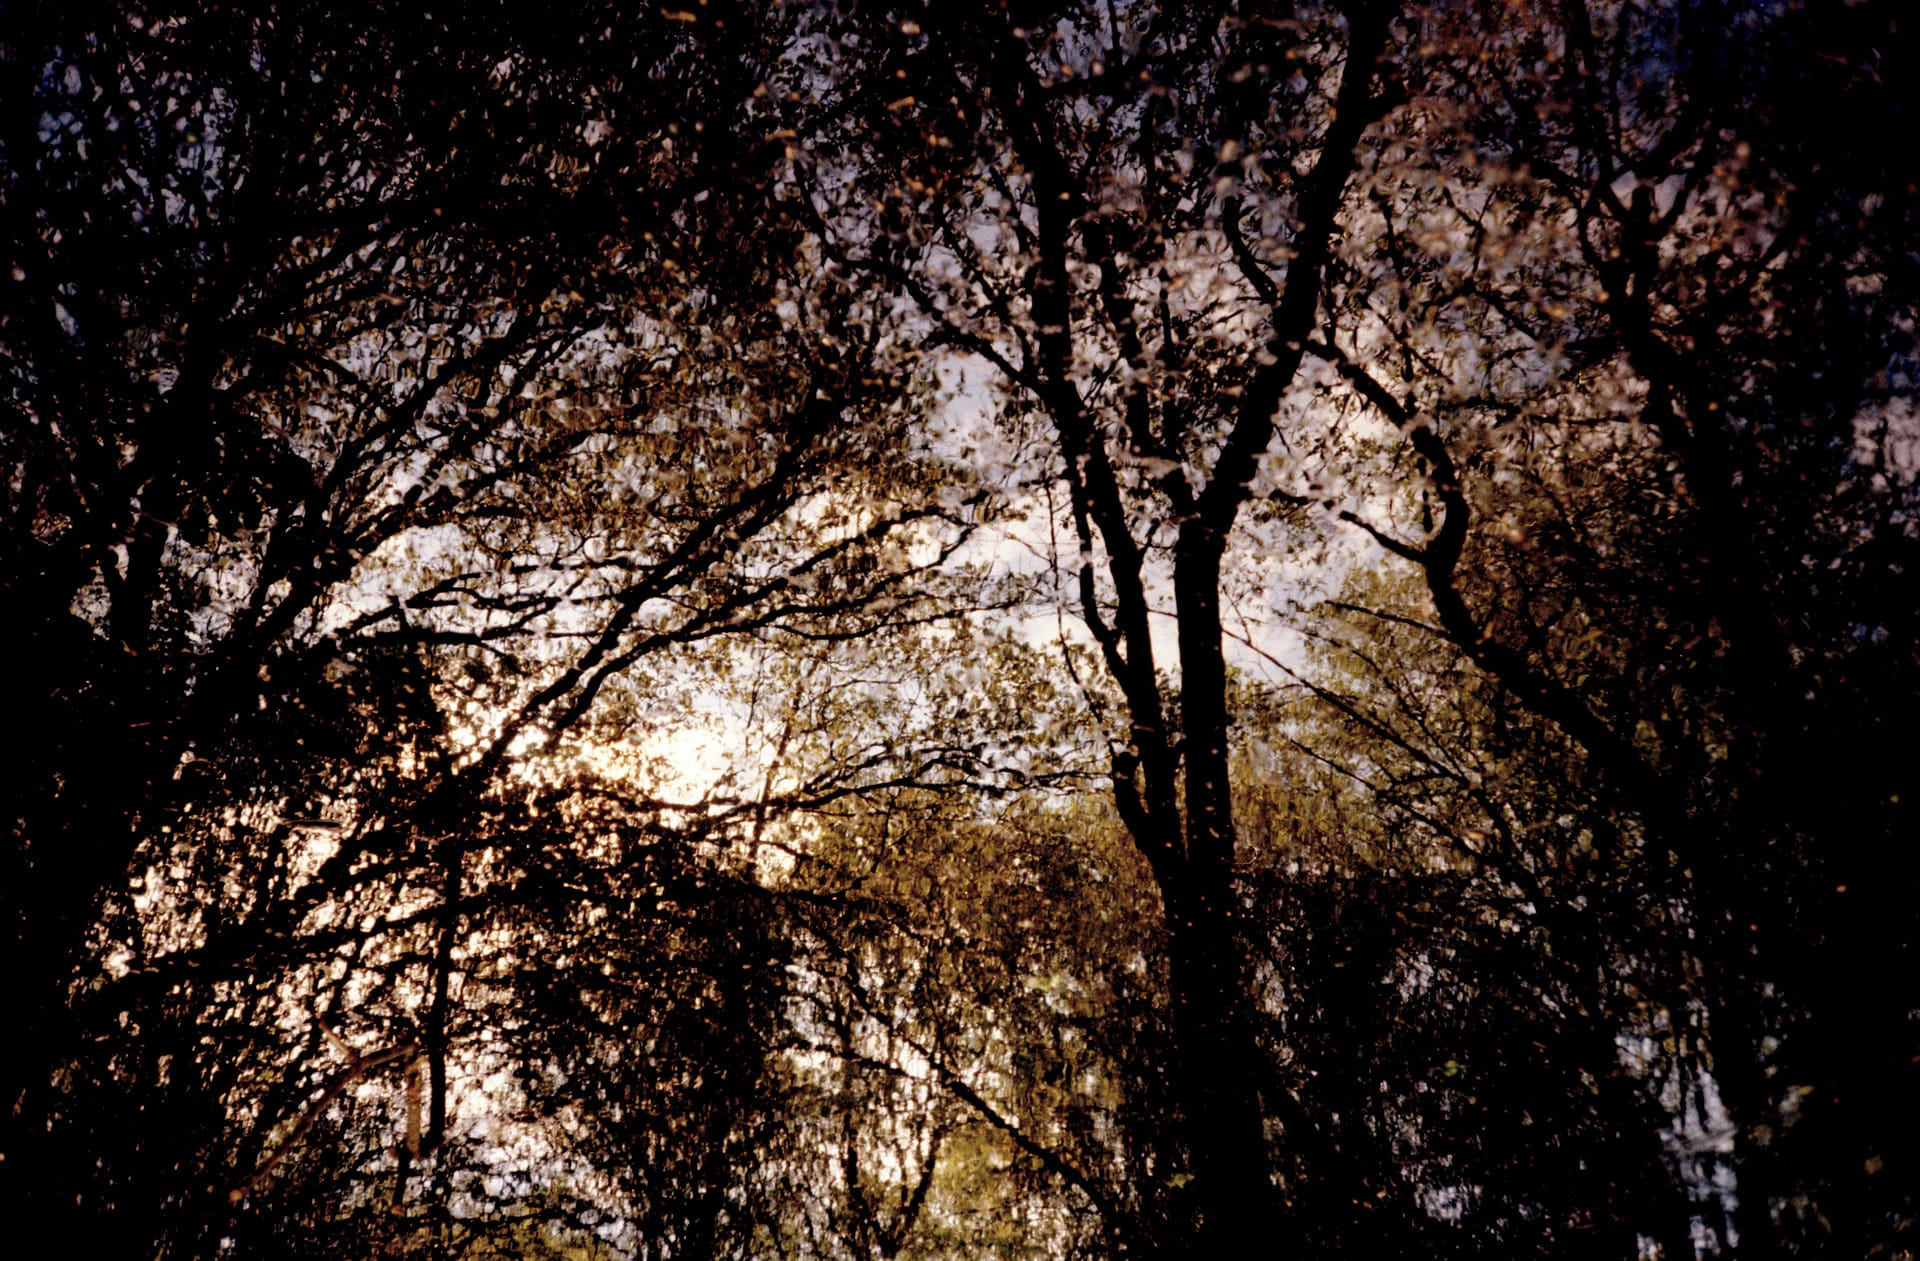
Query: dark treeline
x=868 y=631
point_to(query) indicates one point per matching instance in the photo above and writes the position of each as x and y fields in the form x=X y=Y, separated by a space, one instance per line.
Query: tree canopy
x=907 y=630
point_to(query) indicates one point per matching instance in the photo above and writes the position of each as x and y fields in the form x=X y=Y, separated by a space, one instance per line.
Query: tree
x=332 y=348
x=1104 y=270
x=1473 y=443
x=1685 y=293
x=1499 y=244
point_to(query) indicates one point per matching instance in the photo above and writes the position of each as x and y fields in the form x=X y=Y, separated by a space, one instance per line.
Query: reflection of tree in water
x=1431 y=798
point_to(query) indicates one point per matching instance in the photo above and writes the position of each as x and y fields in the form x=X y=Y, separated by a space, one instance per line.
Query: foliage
x=907 y=630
